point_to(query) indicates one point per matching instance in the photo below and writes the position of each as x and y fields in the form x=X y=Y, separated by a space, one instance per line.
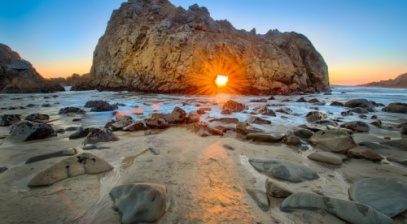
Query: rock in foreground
x=142 y=202
x=385 y=194
x=349 y=211
x=284 y=170
x=70 y=167
x=154 y=46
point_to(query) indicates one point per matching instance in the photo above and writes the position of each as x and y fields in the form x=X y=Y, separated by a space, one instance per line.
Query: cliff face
x=18 y=75
x=399 y=82
x=160 y=48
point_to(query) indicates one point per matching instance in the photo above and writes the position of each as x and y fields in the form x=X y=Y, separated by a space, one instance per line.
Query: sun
x=221 y=80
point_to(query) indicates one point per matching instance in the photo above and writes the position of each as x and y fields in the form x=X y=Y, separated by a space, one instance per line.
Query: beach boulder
x=284 y=170
x=100 y=106
x=65 y=152
x=27 y=130
x=260 y=198
x=313 y=116
x=333 y=140
x=349 y=211
x=356 y=126
x=361 y=152
x=80 y=133
x=257 y=120
x=74 y=110
x=119 y=123
x=265 y=137
x=100 y=135
x=400 y=108
x=326 y=157
x=37 y=117
x=9 y=119
x=264 y=110
x=276 y=189
x=140 y=202
x=84 y=163
x=385 y=194
x=232 y=106
x=363 y=103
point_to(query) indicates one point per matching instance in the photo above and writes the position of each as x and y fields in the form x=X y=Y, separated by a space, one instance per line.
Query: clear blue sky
x=361 y=40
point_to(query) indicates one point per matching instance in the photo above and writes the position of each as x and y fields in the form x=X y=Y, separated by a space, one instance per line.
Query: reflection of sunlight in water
x=216 y=190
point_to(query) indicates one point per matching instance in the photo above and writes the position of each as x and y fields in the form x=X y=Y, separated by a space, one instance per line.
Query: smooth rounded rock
x=100 y=135
x=357 y=126
x=284 y=170
x=385 y=194
x=326 y=157
x=9 y=119
x=349 y=211
x=140 y=202
x=80 y=133
x=333 y=141
x=265 y=137
x=84 y=163
x=276 y=189
x=361 y=152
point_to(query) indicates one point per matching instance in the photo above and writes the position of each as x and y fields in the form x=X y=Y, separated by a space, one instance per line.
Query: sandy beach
x=207 y=178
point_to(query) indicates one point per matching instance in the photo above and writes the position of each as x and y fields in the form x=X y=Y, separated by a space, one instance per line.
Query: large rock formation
x=156 y=47
x=18 y=75
x=399 y=82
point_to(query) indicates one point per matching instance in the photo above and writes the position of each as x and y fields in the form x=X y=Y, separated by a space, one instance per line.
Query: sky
x=360 y=40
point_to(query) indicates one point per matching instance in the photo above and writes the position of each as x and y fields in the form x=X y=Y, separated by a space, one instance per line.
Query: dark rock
x=260 y=198
x=136 y=126
x=3 y=169
x=377 y=123
x=9 y=119
x=349 y=211
x=27 y=130
x=385 y=194
x=100 y=106
x=177 y=116
x=362 y=116
x=357 y=126
x=284 y=170
x=313 y=100
x=140 y=202
x=66 y=152
x=315 y=116
x=232 y=106
x=301 y=100
x=336 y=103
x=263 y=137
x=68 y=110
x=244 y=128
x=325 y=122
x=361 y=152
x=257 y=120
x=346 y=113
x=100 y=135
x=276 y=189
x=37 y=117
x=333 y=141
x=80 y=133
x=271 y=98
x=400 y=108
x=303 y=133
x=284 y=110
x=374 y=146
x=403 y=130
x=363 y=103
x=359 y=110
x=373 y=117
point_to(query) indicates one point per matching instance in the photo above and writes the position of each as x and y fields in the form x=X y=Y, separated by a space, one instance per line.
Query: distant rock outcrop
x=19 y=76
x=153 y=46
x=399 y=82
